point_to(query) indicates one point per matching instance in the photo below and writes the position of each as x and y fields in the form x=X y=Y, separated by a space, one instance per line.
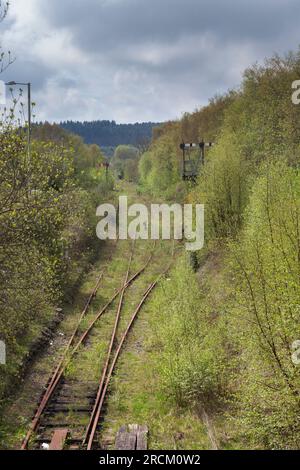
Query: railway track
x=71 y=404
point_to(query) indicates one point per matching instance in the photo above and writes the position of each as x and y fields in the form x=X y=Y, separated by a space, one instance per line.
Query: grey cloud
x=23 y=70
x=100 y=25
x=27 y=71
x=146 y=59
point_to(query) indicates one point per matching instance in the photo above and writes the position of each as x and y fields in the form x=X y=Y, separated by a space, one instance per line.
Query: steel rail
x=45 y=398
x=64 y=361
x=110 y=348
x=91 y=430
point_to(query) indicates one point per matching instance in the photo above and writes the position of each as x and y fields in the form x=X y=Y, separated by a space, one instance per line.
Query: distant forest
x=109 y=133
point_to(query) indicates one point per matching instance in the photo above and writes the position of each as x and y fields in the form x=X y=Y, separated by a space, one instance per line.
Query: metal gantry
x=191 y=166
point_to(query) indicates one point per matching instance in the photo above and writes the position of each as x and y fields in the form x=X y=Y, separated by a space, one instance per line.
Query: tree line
x=110 y=134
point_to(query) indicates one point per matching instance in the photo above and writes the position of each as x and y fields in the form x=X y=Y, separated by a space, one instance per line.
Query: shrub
x=266 y=266
x=191 y=363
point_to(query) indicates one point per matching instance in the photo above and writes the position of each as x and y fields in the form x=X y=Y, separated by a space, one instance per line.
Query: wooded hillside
x=111 y=134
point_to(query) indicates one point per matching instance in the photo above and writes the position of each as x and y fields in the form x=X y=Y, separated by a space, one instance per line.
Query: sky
x=140 y=60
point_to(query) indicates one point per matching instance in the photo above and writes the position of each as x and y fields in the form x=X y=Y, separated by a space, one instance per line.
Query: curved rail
x=104 y=383
x=110 y=348
x=56 y=372
x=68 y=353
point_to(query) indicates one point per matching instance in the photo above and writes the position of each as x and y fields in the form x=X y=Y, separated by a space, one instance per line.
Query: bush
x=266 y=267
x=159 y=168
x=223 y=187
x=191 y=363
x=46 y=236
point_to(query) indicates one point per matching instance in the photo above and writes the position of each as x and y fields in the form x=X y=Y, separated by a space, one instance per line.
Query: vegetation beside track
x=47 y=240
x=250 y=187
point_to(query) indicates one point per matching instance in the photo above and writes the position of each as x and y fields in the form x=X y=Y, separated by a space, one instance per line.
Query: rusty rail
x=56 y=372
x=104 y=382
x=68 y=353
x=110 y=348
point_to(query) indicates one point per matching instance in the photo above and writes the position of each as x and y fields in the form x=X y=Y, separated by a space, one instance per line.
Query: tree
x=126 y=152
x=6 y=59
x=125 y=162
x=131 y=170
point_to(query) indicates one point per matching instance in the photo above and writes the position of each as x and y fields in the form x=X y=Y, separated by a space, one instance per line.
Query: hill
x=109 y=133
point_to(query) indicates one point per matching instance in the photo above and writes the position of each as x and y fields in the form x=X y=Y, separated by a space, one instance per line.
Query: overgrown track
x=65 y=399
x=59 y=369
x=90 y=431
x=112 y=359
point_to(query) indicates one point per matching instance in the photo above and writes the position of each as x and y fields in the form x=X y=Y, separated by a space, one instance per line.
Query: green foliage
x=102 y=183
x=223 y=186
x=266 y=321
x=46 y=230
x=131 y=170
x=250 y=186
x=159 y=168
x=87 y=159
x=125 y=162
x=191 y=364
x=126 y=152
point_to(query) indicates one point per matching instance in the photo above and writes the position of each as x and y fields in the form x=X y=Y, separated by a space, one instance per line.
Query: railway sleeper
x=44 y=426
x=70 y=409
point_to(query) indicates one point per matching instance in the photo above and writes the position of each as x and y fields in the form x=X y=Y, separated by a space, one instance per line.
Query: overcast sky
x=140 y=60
